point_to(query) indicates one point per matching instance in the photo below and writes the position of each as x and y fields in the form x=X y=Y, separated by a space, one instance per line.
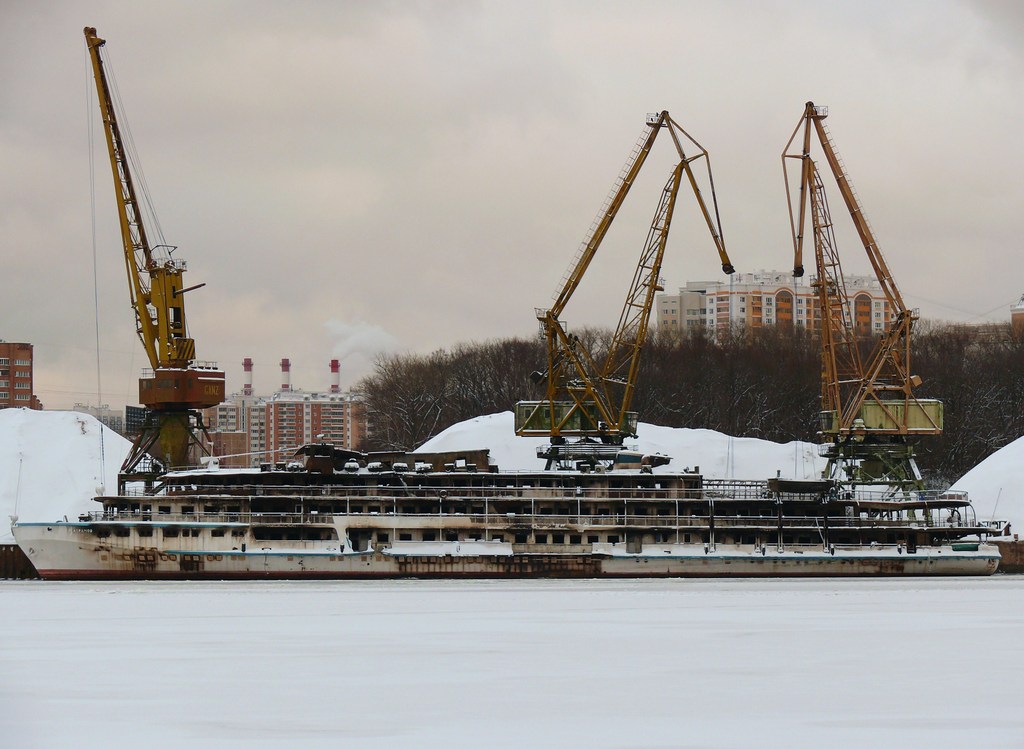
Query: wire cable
x=95 y=265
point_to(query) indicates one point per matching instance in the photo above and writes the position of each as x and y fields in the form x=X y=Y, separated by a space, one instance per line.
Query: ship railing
x=498 y=520
x=240 y=518
x=619 y=520
x=454 y=492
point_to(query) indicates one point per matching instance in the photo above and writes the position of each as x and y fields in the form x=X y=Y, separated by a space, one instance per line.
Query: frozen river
x=646 y=664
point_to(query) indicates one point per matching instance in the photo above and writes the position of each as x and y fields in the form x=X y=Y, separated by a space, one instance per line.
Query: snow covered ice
x=561 y=664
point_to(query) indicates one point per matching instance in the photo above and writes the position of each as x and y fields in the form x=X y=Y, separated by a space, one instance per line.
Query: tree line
x=762 y=382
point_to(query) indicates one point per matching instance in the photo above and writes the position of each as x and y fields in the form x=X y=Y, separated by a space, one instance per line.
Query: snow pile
x=716 y=455
x=50 y=465
x=996 y=485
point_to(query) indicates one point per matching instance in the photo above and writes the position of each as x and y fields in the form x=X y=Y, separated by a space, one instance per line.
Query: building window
x=21 y=362
x=4 y=362
x=21 y=397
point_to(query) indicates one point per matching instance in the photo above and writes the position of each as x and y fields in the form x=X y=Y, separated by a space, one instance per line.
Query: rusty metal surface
x=14 y=565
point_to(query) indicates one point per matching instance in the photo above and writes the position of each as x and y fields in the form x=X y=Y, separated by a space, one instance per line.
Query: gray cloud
x=428 y=169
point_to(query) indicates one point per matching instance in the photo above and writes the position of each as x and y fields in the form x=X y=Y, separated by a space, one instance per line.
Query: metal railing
x=219 y=518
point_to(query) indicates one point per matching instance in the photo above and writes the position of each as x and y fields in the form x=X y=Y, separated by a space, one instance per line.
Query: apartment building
x=767 y=298
x=16 y=376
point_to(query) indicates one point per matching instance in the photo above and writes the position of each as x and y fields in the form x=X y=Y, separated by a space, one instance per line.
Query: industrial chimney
x=286 y=374
x=335 y=376
x=247 y=381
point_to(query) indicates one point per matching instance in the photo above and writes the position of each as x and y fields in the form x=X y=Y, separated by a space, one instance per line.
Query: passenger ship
x=338 y=514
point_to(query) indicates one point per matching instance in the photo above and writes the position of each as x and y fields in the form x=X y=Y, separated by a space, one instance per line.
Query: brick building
x=16 y=372
x=249 y=429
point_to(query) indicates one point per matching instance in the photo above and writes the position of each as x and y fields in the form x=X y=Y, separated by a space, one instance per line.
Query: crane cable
x=95 y=264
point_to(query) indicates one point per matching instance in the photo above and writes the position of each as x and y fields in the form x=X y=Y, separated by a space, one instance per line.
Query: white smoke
x=356 y=344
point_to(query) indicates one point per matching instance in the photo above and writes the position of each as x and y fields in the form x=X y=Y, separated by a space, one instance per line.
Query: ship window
x=170 y=532
x=613 y=539
x=663 y=511
x=217 y=532
x=451 y=536
x=405 y=537
x=522 y=538
x=122 y=531
x=429 y=536
x=236 y=532
x=383 y=538
x=498 y=537
x=164 y=509
x=575 y=539
x=593 y=539
x=541 y=538
x=558 y=538
x=145 y=532
x=187 y=509
x=102 y=533
x=686 y=538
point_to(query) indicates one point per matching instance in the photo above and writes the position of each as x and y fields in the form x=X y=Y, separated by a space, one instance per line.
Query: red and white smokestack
x=247 y=382
x=286 y=374
x=335 y=376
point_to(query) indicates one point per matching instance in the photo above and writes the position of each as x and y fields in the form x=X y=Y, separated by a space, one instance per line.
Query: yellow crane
x=587 y=399
x=868 y=408
x=175 y=386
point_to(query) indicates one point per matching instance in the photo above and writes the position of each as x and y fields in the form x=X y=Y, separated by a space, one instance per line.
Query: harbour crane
x=176 y=386
x=869 y=412
x=587 y=399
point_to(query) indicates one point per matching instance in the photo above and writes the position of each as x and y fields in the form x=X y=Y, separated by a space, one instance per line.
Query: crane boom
x=176 y=386
x=585 y=398
x=155 y=286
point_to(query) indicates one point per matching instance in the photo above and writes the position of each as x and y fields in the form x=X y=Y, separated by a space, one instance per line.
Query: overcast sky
x=352 y=177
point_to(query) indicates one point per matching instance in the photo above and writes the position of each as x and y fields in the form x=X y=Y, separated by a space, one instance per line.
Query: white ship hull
x=67 y=550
